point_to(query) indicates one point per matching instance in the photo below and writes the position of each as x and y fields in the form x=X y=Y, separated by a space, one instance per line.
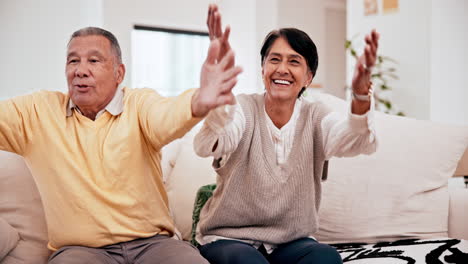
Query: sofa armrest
x=458 y=213
x=8 y=239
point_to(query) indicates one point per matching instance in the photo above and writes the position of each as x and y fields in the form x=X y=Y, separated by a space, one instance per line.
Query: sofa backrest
x=21 y=208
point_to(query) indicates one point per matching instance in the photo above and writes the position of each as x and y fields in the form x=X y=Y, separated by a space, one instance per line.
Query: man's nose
x=82 y=70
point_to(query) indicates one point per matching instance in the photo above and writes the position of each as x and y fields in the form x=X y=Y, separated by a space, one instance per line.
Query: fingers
x=375 y=37
x=225 y=38
x=227 y=60
x=224 y=99
x=227 y=87
x=209 y=20
x=213 y=51
x=369 y=56
x=213 y=21
x=370 y=51
x=218 y=31
x=229 y=78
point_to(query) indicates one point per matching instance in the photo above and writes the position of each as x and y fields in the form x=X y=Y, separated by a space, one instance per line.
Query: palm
x=362 y=72
x=216 y=81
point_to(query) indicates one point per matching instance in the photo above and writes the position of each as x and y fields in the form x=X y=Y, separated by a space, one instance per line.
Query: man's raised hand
x=217 y=79
x=213 y=21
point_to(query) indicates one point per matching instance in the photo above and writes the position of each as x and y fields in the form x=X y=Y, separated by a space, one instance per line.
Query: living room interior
x=425 y=41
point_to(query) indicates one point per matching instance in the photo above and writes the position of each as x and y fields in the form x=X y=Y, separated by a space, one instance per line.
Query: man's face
x=93 y=72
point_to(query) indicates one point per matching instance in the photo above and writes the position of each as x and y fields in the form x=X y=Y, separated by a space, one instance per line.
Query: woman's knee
x=231 y=252
x=324 y=254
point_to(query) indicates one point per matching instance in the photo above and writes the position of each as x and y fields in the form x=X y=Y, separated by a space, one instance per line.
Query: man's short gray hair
x=95 y=31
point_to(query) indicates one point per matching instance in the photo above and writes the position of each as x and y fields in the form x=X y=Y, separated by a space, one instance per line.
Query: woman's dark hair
x=299 y=42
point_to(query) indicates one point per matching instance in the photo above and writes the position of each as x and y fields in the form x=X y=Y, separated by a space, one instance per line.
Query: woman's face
x=284 y=72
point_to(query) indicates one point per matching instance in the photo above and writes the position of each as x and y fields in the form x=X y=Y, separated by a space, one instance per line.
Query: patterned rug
x=407 y=251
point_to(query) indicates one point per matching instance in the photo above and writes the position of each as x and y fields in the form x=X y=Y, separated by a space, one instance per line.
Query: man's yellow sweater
x=100 y=181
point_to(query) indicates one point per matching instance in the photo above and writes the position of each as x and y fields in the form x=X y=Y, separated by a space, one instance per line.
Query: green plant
x=383 y=73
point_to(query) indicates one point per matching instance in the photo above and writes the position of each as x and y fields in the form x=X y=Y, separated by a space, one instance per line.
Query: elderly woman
x=269 y=153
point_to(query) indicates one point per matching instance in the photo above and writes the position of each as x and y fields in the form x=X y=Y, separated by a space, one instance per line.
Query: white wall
x=33 y=58
x=449 y=62
x=308 y=16
x=34 y=36
x=241 y=16
x=335 y=56
x=265 y=22
x=429 y=40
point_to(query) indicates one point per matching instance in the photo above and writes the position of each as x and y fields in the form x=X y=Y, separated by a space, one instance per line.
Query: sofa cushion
x=190 y=172
x=168 y=157
x=399 y=191
x=8 y=239
x=21 y=207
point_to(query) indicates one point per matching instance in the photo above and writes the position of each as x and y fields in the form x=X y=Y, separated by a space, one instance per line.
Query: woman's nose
x=282 y=68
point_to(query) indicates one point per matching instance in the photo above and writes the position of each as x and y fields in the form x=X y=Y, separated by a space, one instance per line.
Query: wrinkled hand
x=213 y=21
x=361 y=83
x=216 y=81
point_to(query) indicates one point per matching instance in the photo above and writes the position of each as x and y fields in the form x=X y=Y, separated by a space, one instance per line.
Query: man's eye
x=72 y=61
x=295 y=62
x=274 y=60
x=93 y=60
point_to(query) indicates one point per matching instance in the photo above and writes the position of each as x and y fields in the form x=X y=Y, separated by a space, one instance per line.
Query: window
x=166 y=60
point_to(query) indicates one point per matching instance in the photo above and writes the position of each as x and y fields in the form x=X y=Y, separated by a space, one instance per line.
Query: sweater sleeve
x=164 y=119
x=222 y=128
x=349 y=135
x=15 y=124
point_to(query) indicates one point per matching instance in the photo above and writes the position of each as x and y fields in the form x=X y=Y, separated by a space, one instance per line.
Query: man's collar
x=114 y=107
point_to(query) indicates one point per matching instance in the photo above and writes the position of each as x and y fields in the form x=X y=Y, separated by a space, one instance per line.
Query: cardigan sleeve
x=349 y=135
x=221 y=132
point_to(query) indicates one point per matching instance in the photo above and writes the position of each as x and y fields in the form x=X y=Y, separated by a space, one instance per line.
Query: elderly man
x=95 y=153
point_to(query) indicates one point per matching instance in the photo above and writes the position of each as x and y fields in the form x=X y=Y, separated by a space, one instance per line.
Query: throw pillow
x=9 y=238
x=203 y=194
x=399 y=191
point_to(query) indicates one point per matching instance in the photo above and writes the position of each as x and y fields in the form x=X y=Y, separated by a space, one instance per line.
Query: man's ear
x=120 y=73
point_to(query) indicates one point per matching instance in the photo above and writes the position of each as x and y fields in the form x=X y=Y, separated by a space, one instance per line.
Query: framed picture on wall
x=390 y=6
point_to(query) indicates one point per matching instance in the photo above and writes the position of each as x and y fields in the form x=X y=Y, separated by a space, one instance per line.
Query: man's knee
x=77 y=255
x=171 y=251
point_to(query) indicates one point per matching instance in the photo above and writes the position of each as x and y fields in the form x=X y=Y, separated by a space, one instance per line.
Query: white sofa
x=399 y=192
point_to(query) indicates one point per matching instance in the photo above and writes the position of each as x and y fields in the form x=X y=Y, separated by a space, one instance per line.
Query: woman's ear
x=263 y=77
x=310 y=77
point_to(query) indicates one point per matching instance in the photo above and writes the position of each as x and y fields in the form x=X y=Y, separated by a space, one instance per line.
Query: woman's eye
x=274 y=60
x=295 y=62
